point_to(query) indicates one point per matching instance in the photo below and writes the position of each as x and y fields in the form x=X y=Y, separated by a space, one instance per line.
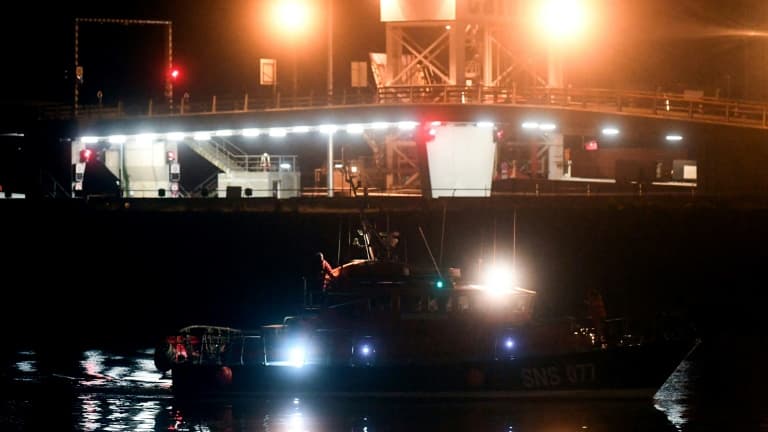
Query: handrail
x=662 y=104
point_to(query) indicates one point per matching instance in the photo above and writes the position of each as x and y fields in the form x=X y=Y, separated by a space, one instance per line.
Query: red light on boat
x=85 y=155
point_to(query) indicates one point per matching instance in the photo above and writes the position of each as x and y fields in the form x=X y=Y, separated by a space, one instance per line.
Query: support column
x=394 y=36
x=555 y=68
x=389 y=158
x=457 y=56
x=330 y=52
x=121 y=169
x=77 y=67
x=330 y=164
x=168 y=78
x=488 y=61
x=423 y=162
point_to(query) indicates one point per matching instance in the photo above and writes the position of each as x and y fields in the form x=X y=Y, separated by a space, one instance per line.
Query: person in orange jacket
x=326 y=274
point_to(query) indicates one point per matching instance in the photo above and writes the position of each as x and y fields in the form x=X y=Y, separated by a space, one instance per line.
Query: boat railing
x=215 y=346
x=251 y=350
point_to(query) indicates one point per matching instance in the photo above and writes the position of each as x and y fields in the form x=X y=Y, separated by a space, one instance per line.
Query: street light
x=329 y=11
x=292 y=16
x=562 y=21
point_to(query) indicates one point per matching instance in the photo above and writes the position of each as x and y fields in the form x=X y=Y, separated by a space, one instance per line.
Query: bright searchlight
x=297 y=355
x=500 y=280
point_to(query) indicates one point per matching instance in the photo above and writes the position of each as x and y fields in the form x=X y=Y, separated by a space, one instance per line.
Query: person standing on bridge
x=266 y=163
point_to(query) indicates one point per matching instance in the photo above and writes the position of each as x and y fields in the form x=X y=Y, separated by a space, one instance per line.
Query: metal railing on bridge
x=533 y=188
x=687 y=105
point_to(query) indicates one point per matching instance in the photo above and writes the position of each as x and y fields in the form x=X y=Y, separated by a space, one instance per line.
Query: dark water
x=123 y=278
x=109 y=390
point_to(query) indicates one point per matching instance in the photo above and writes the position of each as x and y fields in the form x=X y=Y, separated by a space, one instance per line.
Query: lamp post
x=295 y=72
x=292 y=16
x=562 y=21
x=330 y=51
x=330 y=163
x=329 y=11
x=555 y=67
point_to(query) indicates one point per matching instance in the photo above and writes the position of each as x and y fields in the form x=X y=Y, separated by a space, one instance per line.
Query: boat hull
x=623 y=372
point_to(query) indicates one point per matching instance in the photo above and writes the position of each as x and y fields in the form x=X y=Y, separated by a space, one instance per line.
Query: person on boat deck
x=326 y=275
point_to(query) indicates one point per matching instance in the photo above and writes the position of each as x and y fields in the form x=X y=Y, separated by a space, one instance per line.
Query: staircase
x=378 y=66
x=222 y=153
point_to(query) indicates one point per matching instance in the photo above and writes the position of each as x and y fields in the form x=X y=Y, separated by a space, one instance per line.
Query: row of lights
x=607 y=131
x=355 y=128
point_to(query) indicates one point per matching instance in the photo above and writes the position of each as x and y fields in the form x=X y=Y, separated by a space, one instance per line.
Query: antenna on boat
x=423 y=237
x=370 y=235
x=367 y=240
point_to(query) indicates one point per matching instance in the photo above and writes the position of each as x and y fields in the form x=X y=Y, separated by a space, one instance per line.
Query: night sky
x=700 y=44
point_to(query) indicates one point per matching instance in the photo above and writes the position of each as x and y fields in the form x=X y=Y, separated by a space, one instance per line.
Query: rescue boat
x=384 y=329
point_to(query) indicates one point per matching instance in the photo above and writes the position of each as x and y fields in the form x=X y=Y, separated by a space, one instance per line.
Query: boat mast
x=367 y=229
x=437 y=269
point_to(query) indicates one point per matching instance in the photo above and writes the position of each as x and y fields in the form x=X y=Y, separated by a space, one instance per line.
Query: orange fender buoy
x=224 y=376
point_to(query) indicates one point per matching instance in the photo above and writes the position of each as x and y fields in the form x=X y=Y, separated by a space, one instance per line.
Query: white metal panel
x=146 y=169
x=461 y=161
x=262 y=184
x=488 y=11
x=417 y=10
x=555 y=162
x=471 y=11
x=689 y=172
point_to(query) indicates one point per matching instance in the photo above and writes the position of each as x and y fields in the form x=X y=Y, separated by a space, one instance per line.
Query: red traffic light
x=499 y=135
x=426 y=132
x=85 y=155
x=175 y=74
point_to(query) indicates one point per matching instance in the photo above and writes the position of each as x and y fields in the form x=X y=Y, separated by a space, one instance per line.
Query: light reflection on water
x=673 y=397
x=101 y=412
x=123 y=392
x=117 y=370
x=422 y=415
